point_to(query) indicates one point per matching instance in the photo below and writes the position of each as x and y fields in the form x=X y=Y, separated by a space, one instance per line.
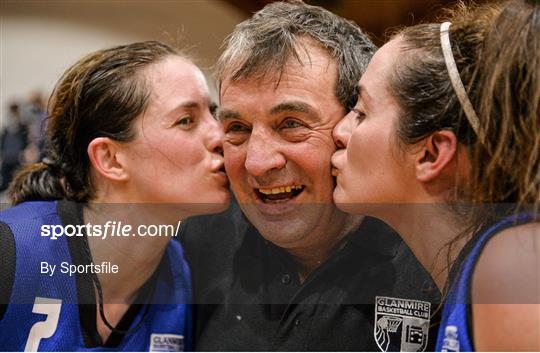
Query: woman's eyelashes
x=185 y=122
x=359 y=114
x=214 y=110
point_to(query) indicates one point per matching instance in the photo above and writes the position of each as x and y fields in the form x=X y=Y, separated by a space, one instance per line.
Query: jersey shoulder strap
x=455 y=333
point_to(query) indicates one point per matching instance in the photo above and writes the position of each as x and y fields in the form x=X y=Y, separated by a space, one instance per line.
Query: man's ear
x=103 y=154
x=436 y=155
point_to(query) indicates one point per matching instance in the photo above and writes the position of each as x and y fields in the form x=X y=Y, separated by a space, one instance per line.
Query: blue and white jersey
x=456 y=327
x=45 y=311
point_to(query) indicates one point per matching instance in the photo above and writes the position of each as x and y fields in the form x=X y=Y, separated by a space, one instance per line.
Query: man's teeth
x=280 y=190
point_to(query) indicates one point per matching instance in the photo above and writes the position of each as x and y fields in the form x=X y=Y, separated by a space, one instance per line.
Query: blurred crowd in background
x=21 y=135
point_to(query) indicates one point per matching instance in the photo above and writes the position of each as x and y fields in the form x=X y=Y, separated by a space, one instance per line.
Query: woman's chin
x=217 y=201
x=344 y=202
x=219 y=205
x=340 y=197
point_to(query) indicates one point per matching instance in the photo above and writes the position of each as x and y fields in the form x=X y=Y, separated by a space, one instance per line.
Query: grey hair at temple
x=266 y=42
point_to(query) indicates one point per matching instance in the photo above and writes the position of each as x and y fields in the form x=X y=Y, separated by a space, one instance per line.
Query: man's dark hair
x=265 y=43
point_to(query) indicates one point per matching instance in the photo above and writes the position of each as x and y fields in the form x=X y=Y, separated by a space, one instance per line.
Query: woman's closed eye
x=360 y=115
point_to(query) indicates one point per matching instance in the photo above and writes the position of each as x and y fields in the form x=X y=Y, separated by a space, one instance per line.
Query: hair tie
x=455 y=79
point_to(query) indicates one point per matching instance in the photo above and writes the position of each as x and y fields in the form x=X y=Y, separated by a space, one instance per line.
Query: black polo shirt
x=248 y=295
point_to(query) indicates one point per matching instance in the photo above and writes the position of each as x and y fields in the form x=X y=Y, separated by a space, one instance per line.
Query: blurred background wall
x=39 y=39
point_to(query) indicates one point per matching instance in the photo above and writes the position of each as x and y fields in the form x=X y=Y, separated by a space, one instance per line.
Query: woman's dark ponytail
x=38 y=181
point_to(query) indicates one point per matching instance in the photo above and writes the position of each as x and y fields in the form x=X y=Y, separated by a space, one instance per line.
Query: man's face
x=278 y=145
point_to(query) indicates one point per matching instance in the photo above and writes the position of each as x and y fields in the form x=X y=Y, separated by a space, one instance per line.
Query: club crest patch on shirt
x=166 y=343
x=401 y=324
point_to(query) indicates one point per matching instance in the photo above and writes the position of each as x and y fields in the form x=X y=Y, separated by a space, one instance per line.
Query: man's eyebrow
x=292 y=106
x=224 y=114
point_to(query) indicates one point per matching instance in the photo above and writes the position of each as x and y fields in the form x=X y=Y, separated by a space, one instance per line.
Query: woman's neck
x=137 y=255
x=125 y=241
x=431 y=231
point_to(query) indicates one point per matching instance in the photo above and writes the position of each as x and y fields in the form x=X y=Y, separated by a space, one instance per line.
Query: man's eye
x=291 y=124
x=236 y=127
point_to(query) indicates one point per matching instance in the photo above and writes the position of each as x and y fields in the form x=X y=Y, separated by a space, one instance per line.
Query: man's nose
x=342 y=132
x=264 y=154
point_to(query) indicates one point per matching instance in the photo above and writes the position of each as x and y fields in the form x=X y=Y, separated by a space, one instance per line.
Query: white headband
x=457 y=83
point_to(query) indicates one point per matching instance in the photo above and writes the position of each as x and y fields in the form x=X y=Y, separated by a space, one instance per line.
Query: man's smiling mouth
x=279 y=194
